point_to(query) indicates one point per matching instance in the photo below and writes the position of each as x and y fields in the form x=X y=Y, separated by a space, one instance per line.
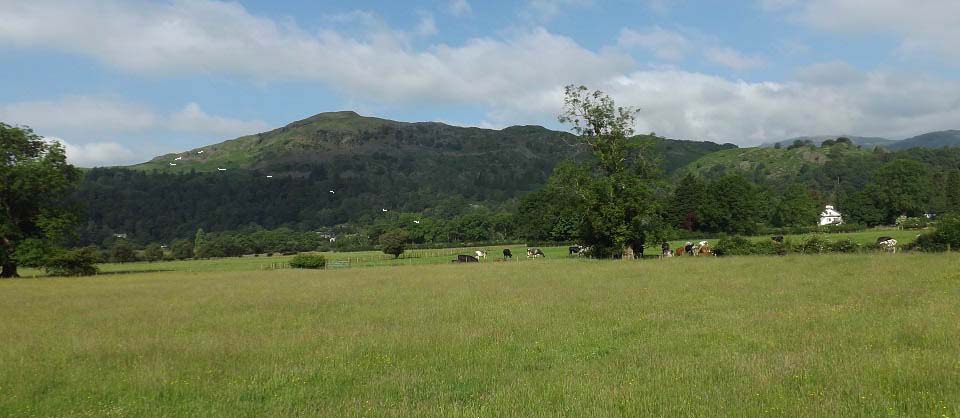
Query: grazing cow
x=688 y=248
x=463 y=258
x=665 y=250
x=576 y=249
x=480 y=254
x=680 y=251
x=887 y=244
x=534 y=253
x=585 y=251
x=704 y=249
x=507 y=253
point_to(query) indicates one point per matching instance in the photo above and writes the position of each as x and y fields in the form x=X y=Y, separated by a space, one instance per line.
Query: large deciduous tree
x=616 y=189
x=34 y=178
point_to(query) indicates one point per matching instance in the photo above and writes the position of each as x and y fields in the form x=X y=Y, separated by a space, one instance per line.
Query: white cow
x=480 y=254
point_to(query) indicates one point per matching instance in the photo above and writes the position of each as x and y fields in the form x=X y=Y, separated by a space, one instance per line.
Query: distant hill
x=865 y=141
x=333 y=168
x=938 y=139
x=297 y=148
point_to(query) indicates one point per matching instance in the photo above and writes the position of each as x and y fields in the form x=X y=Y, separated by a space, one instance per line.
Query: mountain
x=333 y=168
x=865 y=141
x=937 y=139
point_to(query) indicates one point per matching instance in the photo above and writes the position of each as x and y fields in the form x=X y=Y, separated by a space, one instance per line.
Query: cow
x=665 y=250
x=534 y=253
x=507 y=254
x=688 y=248
x=680 y=251
x=576 y=249
x=480 y=254
x=887 y=244
x=704 y=249
x=464 y=258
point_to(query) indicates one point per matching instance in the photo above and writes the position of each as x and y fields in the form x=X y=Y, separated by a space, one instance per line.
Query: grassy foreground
x=863 y=335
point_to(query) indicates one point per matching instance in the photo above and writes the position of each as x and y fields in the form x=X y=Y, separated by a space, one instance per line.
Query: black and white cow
x=534 y=253
x=576 y=249
x=464 y=258
x=887 y=244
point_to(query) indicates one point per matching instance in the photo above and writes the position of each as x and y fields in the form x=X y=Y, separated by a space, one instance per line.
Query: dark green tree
x=795 y=208
x=394 y=242
x=733 y=206
x=123 y=252
x=34 y=177
x=905 y=188
x=153 y=252
x=687 y=203
x=953 y=191
x=199 y=244
x=182 y=249
x=615 y=190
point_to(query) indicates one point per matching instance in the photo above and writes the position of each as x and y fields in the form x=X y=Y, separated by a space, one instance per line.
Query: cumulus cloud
x=697 y=106
x=80 y=114
x=106 y=130
x=459 y=7
x=516 y=76
x=544 y=10
x=731 y=58
x=96 y=154
x=200 y=37
x=663 y=44
x=193 y=119
x=925 y=27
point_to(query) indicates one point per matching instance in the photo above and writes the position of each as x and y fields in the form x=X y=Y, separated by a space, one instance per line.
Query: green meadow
x=866 y=335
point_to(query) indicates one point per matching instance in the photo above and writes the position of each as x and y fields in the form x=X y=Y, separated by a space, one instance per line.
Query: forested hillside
x=334 y=168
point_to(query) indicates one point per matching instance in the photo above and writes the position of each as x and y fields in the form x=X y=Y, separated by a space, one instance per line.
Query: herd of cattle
x=702 y=248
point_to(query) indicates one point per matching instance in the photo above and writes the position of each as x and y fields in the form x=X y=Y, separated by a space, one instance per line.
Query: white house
x=830 y=216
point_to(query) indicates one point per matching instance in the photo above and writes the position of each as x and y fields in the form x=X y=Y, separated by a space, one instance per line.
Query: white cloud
x=664 y=44
x=459 y=7
x=202 y=37
x=106 y=130
x=925 y=26
x=697 y=106
x=193 y=119
x=96 y=154
x=80 y=114
x=516 y=77
x=426 y=26
x=734 y=59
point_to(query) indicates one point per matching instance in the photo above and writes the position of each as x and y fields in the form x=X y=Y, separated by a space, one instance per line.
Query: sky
x=121 y=81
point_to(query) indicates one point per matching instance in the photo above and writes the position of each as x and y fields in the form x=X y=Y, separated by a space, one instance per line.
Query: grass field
x=832 y=335
x=428 y=256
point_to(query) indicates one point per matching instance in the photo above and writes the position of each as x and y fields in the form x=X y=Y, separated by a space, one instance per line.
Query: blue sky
x=119 y=81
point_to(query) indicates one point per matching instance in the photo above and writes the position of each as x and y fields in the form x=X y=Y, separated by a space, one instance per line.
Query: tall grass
x=861 y=335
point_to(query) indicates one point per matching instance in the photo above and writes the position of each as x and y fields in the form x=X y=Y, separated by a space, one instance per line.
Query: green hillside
x=768 y=164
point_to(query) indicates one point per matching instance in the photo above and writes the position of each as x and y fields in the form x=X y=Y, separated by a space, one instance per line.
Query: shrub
x=845 y=245
x=308 y=261
x=79 y=262
x=816 y=244
x=737 y=245
x=394 y=242
x=945 y=237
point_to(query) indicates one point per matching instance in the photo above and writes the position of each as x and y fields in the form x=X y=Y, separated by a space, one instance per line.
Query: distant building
x=830 y=216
